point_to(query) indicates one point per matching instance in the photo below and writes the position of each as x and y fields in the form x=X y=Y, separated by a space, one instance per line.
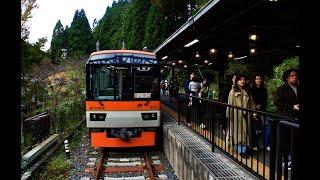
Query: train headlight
x=97 y=116
x=149 y=116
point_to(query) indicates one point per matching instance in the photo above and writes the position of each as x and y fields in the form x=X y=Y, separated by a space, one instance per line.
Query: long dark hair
x=254 y=85
x=236 y=86
x=207 y=82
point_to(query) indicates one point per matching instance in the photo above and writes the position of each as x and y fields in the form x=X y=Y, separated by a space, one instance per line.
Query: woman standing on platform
x=239 y=120
x=261 y=124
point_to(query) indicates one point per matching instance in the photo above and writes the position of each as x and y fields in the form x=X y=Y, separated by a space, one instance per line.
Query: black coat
x=260 y=96
x=285 y=99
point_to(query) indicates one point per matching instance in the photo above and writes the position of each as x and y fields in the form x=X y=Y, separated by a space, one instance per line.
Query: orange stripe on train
x=100 y=139
x=122 y=105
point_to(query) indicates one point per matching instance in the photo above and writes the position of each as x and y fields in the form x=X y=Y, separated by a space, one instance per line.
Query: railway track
x=120 y=165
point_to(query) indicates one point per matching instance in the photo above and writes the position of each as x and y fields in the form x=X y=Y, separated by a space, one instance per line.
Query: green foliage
x=276 y=81
x=76 y=139
x=76 y=77
x=26 y=8
x=40 y=43
x=31 y=54
x=140 y=23
x=57 y=42
x=111 y=27
x=134 y=25
x=154 y=32
x=169 y=75
x=57 y=168
x=240 y=66
x=198 y=5
x=182 y=75
x=79 y=42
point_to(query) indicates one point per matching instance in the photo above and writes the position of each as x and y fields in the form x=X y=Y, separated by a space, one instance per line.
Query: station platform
x=191 y=155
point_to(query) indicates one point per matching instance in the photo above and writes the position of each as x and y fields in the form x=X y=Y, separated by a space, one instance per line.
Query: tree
x=163 y=18
x=31 y=54
x=110 y=30
x=154 y=29
x=26 y=7
x=41 y=43
x=76 y=77
x=57 y=42
x=134 y=25
x=80 y=41
x=140 y=22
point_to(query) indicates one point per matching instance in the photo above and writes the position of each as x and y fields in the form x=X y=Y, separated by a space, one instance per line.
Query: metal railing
x=248 y=136
x=41 y=126
x=37 y=127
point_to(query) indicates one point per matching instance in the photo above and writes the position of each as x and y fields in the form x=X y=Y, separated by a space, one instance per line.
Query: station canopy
x=226 y=25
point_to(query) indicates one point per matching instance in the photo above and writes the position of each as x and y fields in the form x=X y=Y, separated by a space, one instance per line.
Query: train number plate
x=142 y=95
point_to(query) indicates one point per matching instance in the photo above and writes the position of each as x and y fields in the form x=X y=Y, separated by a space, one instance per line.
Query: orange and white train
x=123 y=98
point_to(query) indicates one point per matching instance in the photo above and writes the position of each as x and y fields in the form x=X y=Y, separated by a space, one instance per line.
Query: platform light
x=185 y=66
x=197 y=55
x=206 y=61
x=230 y=55
x=213 y=51
x=253 y=37
x=180 y=61
x=165 y=66
x=210 y=64
x=173 y=64
x=253 y=50
x=191 y=43
x=297 y=46
x=165 y=57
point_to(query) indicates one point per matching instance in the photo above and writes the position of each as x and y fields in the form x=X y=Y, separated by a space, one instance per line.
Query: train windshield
x=126 y=82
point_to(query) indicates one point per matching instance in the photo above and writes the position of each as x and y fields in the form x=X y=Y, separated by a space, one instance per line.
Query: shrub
x=240 y=66
x=276 y=80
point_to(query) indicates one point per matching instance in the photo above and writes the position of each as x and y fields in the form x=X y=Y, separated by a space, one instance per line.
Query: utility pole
x=122 y=37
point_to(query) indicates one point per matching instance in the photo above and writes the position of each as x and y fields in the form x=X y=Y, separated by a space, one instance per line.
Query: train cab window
x=145 y=83
x=108 y=82
x=103 y=83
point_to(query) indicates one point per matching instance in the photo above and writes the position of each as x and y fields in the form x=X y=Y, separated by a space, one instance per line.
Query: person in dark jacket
x=260 y=96
x=287 y=103
x=286 y=97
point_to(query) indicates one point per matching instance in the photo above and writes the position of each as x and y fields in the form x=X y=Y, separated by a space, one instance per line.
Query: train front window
x=103 y=83
x=109 y=82
x=145 y=83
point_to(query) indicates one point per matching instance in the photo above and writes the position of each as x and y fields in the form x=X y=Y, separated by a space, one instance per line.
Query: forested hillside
x=140 y=23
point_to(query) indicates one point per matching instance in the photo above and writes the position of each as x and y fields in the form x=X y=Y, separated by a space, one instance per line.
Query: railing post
x=292 y=126
x=278 y=155
x=179 y=107
x=273 y=141
x=212 y=129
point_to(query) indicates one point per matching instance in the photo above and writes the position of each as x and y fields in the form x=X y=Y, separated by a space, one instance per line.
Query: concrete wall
x=185 y=164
